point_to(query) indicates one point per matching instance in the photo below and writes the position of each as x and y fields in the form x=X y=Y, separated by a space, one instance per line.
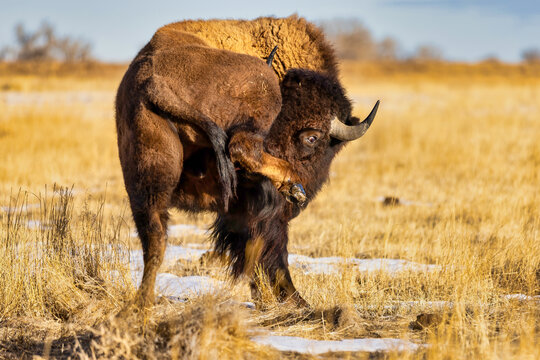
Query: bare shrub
x=388 y=49
x=354 y=41
x=44 y=44
x=426 y=53
x=531 y=56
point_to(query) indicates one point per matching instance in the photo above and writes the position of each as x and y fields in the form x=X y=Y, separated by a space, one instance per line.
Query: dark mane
x=253 y=215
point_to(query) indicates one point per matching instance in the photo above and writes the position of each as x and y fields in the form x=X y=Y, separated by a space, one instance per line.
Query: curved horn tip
x=345 y=132
x=373 y=112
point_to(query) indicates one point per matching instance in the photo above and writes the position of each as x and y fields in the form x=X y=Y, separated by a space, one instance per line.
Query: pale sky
x=466 y=30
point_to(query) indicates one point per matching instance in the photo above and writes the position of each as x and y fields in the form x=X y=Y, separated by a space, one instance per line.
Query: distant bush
x=531 y=56
x=353 y=41
x=425 y=53
x=44 y=44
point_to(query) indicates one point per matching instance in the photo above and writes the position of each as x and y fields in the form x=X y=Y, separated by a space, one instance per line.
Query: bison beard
x=254 y=232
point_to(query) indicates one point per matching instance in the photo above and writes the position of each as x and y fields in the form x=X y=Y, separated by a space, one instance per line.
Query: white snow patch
x=180 y=288
x=24 y=207
x=34 y=224
x=174 y=287
x=309 y=265
x=329 y=265
x=521 y=297
x=309 y=346
x=37 y=225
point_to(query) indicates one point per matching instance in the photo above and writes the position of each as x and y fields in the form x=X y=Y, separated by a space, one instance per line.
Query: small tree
x=44 y=45
x=531 y=56
x=427 y=53
x=352 y=40
x=388 y=49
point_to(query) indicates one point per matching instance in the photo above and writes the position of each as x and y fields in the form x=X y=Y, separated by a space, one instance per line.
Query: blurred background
x=389 y=30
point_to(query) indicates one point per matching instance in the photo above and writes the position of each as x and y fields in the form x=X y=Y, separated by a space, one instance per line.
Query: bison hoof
x=296 y=194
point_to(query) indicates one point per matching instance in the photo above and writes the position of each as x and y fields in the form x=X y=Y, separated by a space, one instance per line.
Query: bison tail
x=168 y=105
x=225 y=167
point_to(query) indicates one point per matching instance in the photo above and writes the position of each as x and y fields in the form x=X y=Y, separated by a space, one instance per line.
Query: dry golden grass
x=458 y=141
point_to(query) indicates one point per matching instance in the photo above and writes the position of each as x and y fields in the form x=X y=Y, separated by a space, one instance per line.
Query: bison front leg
x=280 y=281
x=247 y=151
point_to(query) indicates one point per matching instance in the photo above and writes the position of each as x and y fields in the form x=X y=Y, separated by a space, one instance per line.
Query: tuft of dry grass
x=457 y=144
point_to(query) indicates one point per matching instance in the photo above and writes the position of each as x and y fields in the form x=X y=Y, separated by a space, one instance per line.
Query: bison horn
x=344 y=132
x=271 y=56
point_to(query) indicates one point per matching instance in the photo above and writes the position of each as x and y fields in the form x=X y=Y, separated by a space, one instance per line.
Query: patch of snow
x=14 y=209
x=521 y=297
x=33 y=224
x=180 y=288
x=36 y=225
x=174 y=287
x=329 y=265
x=309 y=265
x=322 y=265
x=314 y=347
x=35 y=98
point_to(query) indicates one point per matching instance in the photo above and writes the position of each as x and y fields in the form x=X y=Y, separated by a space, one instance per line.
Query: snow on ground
x=522 y=297
x=180 y=288
x=34 y=224
x=23 y=208
x=309 y=265
x=330 y=265
x=314 y=347
x=40 y=98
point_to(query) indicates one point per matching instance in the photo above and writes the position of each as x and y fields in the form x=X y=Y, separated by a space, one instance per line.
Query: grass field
x=457 y=144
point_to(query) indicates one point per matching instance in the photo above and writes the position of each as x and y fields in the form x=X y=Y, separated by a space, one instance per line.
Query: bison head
x=314 y=124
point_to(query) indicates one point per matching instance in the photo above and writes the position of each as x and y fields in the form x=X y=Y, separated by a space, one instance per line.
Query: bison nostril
x=298 y=194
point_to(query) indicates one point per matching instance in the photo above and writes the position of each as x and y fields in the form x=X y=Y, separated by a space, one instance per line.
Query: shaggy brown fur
x=199 y=98
x=300 y=43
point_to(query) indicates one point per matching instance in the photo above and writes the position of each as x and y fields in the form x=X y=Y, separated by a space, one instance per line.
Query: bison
x=204 y=124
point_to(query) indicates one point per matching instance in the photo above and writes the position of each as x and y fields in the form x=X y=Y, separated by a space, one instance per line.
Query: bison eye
x=311 y=139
